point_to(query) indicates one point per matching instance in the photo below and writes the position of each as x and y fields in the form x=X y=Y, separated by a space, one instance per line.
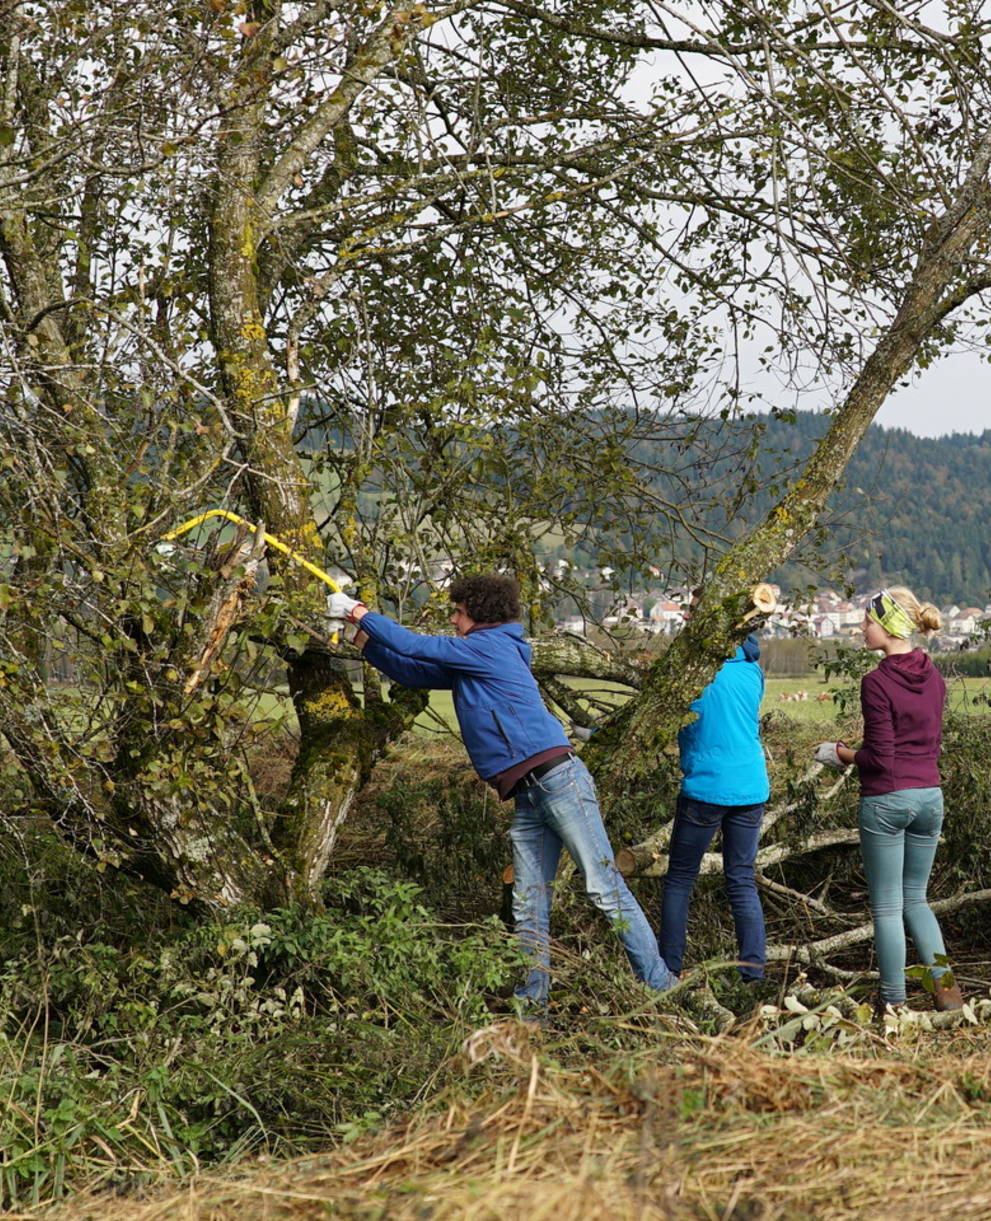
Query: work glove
x=827 y=754
x=340 y=606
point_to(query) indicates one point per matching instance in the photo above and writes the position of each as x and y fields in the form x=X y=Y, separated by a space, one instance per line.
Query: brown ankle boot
x=946 y=996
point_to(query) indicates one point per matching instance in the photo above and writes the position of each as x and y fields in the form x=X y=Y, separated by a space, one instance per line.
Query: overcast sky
x=954 y=395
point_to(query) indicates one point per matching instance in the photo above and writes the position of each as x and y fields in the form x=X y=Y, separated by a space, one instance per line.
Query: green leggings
x=899 y=833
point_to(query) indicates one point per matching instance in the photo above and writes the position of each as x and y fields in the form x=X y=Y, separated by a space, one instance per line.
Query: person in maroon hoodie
x=901 y=802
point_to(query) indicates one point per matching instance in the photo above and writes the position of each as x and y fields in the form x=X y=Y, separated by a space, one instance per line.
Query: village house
x=665 y=617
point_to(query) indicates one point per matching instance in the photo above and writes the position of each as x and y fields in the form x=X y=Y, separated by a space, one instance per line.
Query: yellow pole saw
x=271 y=540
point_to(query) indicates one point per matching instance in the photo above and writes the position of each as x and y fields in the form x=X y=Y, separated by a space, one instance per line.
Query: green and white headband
x=895 y=620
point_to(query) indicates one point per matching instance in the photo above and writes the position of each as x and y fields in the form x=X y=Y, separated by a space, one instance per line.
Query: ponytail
x=924 y=615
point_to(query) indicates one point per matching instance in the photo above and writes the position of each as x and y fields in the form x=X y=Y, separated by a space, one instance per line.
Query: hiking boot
x=946 y=996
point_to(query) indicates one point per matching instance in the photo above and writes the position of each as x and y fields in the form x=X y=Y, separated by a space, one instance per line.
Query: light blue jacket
x=722 y=759
x=502 y=718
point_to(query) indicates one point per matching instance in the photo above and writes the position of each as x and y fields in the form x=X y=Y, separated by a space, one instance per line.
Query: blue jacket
x=502 y=718
x=721 y=755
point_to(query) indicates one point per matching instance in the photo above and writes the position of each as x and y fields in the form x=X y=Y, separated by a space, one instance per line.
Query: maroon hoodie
x=902 y=702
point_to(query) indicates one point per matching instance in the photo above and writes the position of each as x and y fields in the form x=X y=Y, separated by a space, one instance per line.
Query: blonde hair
x=924 y=615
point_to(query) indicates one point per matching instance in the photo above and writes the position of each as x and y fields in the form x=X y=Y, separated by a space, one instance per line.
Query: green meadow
x=809 y=700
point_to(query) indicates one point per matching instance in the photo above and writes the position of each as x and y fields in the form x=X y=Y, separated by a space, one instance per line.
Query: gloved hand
x=340 y=606
x=827 y=754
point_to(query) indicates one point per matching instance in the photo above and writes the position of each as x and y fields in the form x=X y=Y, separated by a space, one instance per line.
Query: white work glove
x=340 y=606
x=826 y=753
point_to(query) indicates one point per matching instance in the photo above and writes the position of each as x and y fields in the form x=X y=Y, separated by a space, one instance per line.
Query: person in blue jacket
x=522 y=751
x=724 y=787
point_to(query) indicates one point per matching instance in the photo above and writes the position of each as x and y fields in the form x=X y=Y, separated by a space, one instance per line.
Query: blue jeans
x=695 y=823
x=899 y=833
x=560 y=810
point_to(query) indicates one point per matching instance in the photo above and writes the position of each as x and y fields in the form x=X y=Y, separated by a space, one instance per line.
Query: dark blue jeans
x=695 y=823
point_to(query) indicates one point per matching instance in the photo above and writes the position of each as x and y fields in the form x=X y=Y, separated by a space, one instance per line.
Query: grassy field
x=806 y=699
x=788 y=1104
x=970 y=695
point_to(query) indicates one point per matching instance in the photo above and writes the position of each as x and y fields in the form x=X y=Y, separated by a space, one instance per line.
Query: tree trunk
x=335 y=752
x=338 y=741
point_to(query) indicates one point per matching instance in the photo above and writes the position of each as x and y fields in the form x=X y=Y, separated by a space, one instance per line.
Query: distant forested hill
x=911 y=508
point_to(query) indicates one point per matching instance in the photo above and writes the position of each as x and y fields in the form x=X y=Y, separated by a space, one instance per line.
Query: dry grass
x=688 y=1127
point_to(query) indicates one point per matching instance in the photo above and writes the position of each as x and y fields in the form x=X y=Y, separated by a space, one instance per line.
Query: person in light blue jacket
x=724 y=788
x=522 y=751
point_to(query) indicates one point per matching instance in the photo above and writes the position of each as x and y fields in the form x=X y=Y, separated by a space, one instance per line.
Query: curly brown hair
x=488 y=598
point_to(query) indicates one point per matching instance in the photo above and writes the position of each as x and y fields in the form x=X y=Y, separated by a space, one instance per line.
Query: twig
x=796 y=896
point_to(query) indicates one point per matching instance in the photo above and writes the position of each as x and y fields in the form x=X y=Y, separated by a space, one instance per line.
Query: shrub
x=975 y=664
x=966 y=768
x=281 y=1033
